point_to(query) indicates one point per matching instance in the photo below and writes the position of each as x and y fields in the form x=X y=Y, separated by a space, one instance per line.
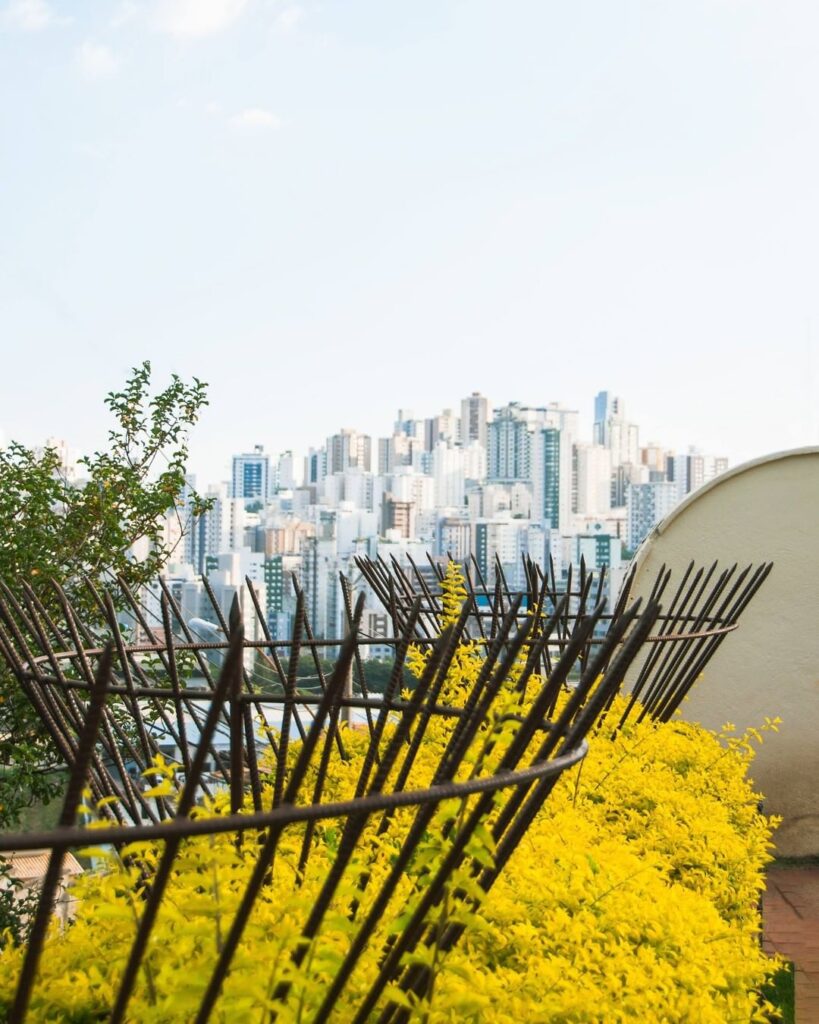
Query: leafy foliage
x=56 y=528
x=17 y=906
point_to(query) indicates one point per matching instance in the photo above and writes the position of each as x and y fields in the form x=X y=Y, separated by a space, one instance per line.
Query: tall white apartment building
x=448 y=475
x=407 y=424
x=445 y=427
x=315 y=467
x=418 y=488
x=592 y=476
x=647 y=505
x=251 y=475
x=354 y=527
x=475 y=419
x=349 y=450
x=241 y=564
x=695 y=469
x=534 y=444
x=551 y=486
x=567 y=422
x=285 y=476
x=614 y=431
x=474 y=461
x=510 y=444
x=597 y=550
x=220 y=529
x=454 y=537
x=399 y=450
x=359 y=489
x=656 y=458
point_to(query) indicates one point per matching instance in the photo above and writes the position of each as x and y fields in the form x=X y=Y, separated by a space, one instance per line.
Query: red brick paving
x=791 y=916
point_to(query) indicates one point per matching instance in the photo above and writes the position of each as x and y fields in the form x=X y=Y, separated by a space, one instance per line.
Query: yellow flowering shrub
x=633 y=897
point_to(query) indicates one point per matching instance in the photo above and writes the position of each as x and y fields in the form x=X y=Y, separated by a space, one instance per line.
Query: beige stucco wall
x=766 y=510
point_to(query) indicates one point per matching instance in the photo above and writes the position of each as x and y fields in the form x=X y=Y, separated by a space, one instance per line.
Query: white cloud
x=31 y=15
x=289 y=17
x=127 y=12
x=96 y=61
x=197 y=17
x=256 y=119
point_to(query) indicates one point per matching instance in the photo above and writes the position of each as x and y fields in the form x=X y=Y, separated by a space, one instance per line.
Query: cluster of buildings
x=476 y=483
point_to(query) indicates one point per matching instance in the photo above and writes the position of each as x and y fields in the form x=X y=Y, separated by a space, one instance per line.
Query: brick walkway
x=791 y=914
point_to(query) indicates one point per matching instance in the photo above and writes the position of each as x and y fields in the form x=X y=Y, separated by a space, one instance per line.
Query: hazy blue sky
x=331 y=209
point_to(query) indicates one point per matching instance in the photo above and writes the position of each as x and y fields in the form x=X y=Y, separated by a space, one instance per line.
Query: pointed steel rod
x=231 y=668
x=68 y=816
x=270 y=844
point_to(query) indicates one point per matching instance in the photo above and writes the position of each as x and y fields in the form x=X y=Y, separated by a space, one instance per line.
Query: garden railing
x=233 y=715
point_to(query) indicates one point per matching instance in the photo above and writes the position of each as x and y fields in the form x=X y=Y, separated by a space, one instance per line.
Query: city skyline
x=211 y=463
x=492 y=488
x=586 y=436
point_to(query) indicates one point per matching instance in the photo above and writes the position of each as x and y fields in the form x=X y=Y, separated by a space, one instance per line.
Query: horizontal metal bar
x=387 y=641
x=285 y=814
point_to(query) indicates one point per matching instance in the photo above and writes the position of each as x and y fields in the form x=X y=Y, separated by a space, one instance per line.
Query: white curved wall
x=766 y=510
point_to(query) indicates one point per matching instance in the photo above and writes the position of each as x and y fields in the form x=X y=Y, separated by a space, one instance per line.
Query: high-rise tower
x=251 y=474
x=475 y=419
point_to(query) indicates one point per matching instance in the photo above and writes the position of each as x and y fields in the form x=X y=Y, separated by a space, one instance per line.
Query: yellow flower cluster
x=633 y=897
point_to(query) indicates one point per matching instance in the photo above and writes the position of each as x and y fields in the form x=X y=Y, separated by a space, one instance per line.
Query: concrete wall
x=766 y=510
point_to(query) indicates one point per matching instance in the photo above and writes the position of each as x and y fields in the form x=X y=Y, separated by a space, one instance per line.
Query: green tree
x=52 y=527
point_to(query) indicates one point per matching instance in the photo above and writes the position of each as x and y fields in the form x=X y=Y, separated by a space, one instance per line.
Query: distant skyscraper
x=597 y=550
x=349 y=450
x=606 y=407
x=285 y=472
x=408 y=425
x=695 y=469
x=398 y=515
x=218 y=530
x=612 y=429
x=603 y=412
x=251 y=475
x=510 y=445
x=624 y=442
x=315 y=466
x=454 y=537
x=567 y=422
x=399 y=450
x=655 y=457
x=444 y=427
x=475 y=419
x=592 y=480
x=534 y=444
x=547 y=478
x=647 y=505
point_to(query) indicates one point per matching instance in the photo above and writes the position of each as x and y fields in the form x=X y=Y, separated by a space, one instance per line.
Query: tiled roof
x=30 y=865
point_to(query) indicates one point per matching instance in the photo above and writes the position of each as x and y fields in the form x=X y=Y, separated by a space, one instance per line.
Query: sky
x=329 y=210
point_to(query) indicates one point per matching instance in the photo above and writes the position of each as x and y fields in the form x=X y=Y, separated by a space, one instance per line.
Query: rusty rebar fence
x=231 y=712
x=700 y=610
